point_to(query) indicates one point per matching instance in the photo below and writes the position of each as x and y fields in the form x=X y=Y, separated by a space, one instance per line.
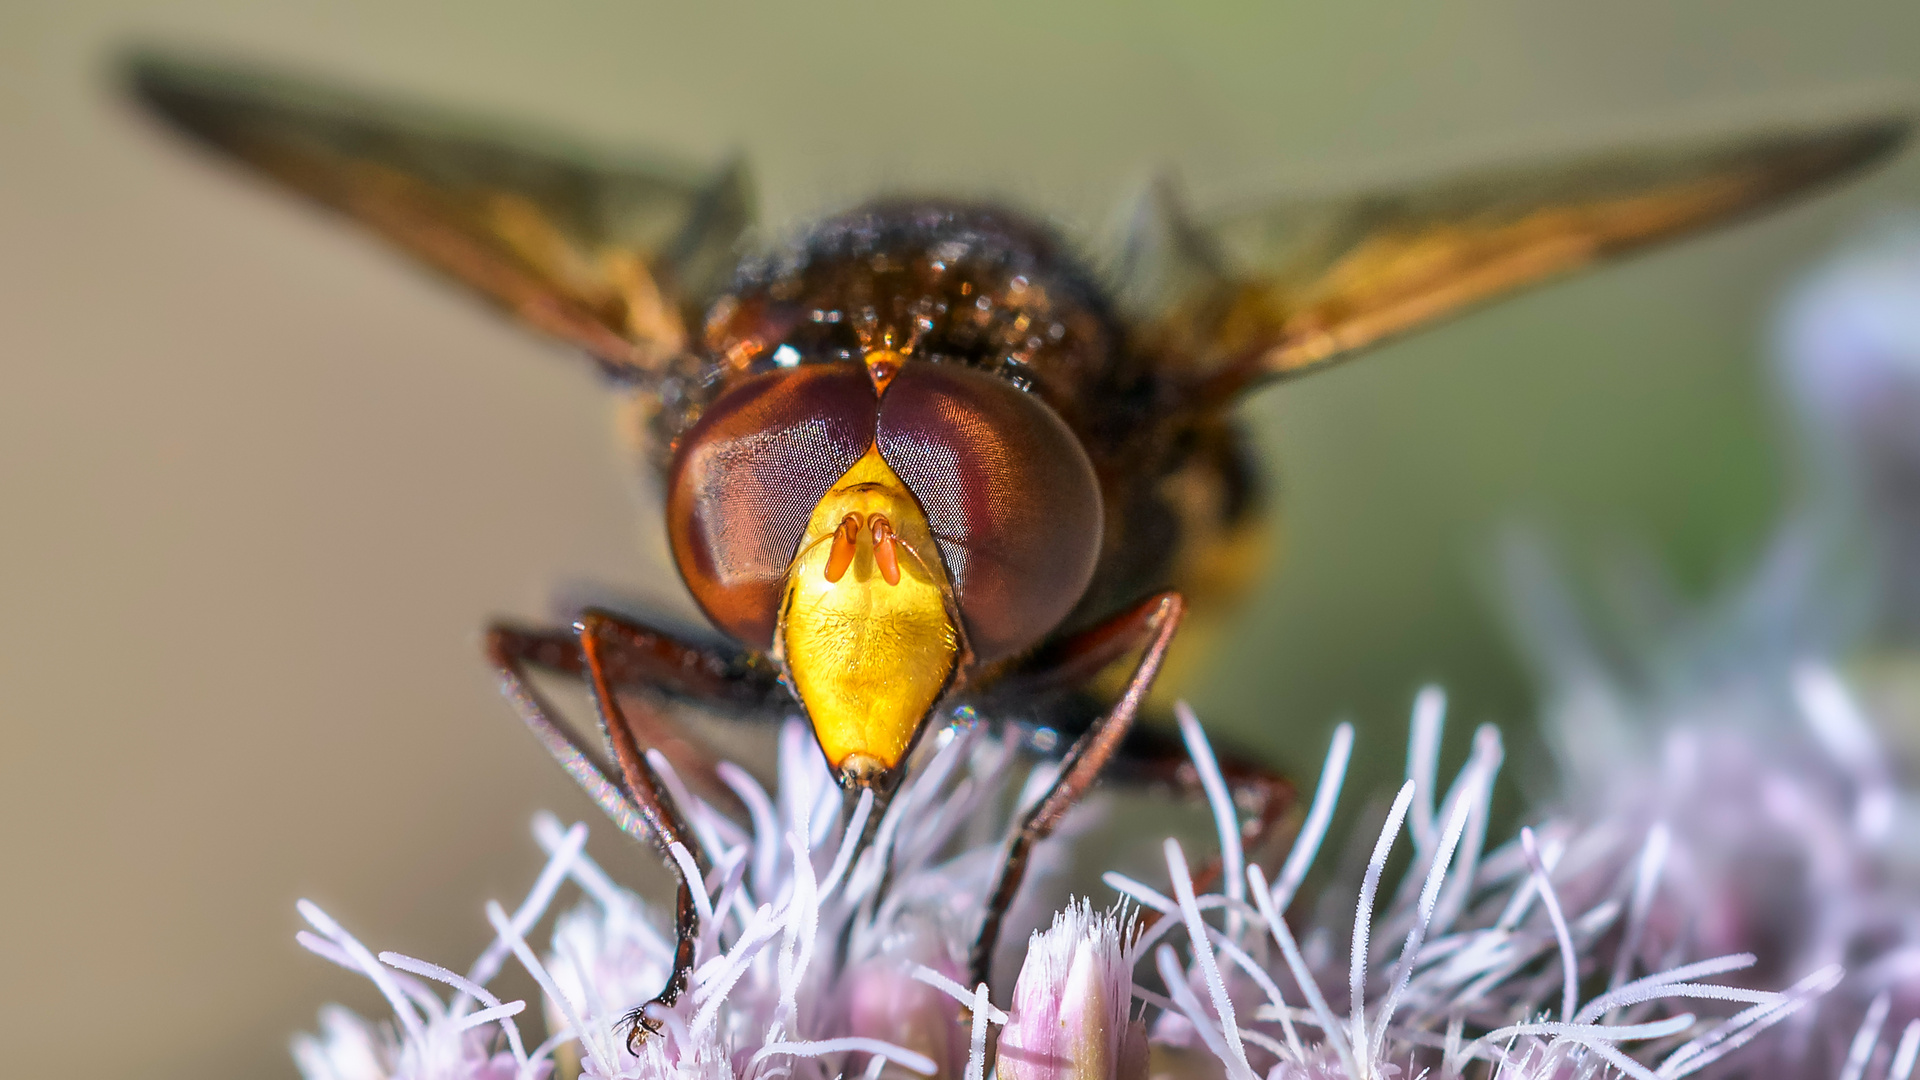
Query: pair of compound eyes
x=1009 y=495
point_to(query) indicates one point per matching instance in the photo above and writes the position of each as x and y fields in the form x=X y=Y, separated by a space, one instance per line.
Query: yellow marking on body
x=868 y=658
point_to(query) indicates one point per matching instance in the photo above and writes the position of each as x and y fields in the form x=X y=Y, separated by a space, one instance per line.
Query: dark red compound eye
x=746 y=479
x=1009 y=494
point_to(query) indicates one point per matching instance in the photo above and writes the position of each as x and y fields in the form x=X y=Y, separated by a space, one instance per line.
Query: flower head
x=1614 y=936
x=1849 y=341
x=1849 y=360
x=1776 y=823
x=1542 y=957
x=814 y=956
x=1072 y=1016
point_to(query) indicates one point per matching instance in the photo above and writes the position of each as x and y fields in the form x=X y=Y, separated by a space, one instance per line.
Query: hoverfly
x=918 y=455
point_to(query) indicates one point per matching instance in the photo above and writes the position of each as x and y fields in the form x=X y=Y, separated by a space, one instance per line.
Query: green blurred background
x=261 y=482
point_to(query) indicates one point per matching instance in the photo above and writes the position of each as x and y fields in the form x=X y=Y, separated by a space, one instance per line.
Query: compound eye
x=1009 y=495
x=747 y=477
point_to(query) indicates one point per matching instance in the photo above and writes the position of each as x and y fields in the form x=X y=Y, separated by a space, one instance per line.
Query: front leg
x=646 y=667
x=1262 y=796
x=1160 y=617
x=1131 y=754
x=613 y=655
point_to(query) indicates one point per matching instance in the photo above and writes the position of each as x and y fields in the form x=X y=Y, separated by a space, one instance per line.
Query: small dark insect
x=918 y=457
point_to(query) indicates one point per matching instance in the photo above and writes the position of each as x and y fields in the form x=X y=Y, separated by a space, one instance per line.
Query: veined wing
x=1292 y=286
x=614 y=256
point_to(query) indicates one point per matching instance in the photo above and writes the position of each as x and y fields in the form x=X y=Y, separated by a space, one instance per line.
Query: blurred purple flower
x=1778 y=823
x=1849 y=352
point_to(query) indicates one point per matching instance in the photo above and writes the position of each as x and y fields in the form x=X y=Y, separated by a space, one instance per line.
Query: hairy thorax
x=977 y=286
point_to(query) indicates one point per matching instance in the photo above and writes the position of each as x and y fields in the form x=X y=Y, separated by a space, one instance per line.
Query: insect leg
x=1071 y=662
x=1090 y=754
x=511 y=651
x=643 y=664
x=640 y=807
x=1263 y=797
x=611 y=655
x=652 y=798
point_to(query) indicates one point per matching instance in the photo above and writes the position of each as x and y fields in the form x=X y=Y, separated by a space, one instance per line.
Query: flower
x=1848 y=350
x=801 y=954
x=1586 y=946
x=805 y=964
x=1611 y=937
x=1776 y=824
x=1072 y=1013
x=1849 y=342
x=434 y=1038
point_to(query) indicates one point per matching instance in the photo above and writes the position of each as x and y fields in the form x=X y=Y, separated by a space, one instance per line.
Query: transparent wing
x=612 y=255
x=1289 y=287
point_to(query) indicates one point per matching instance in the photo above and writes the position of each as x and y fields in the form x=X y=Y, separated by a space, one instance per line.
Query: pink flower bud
x=884 y=1001
x=1072 y=1015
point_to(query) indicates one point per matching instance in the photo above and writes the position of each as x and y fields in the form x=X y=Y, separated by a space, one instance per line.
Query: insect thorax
x=935 y=281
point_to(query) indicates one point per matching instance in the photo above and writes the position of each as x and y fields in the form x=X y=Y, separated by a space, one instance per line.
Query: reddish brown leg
x=652 y=798
x=612 y=655
x=1082 y=766
x=511 y=652
x=1263 y=797
x=1266 y=800
x=643 y=664
x=1146 y=755
x=1072 y=662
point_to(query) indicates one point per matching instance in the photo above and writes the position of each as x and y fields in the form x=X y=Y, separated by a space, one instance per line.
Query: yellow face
x=867 y=628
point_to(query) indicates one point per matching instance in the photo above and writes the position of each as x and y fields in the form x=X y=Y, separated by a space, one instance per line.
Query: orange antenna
x=883 y=554
x=841 y=556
